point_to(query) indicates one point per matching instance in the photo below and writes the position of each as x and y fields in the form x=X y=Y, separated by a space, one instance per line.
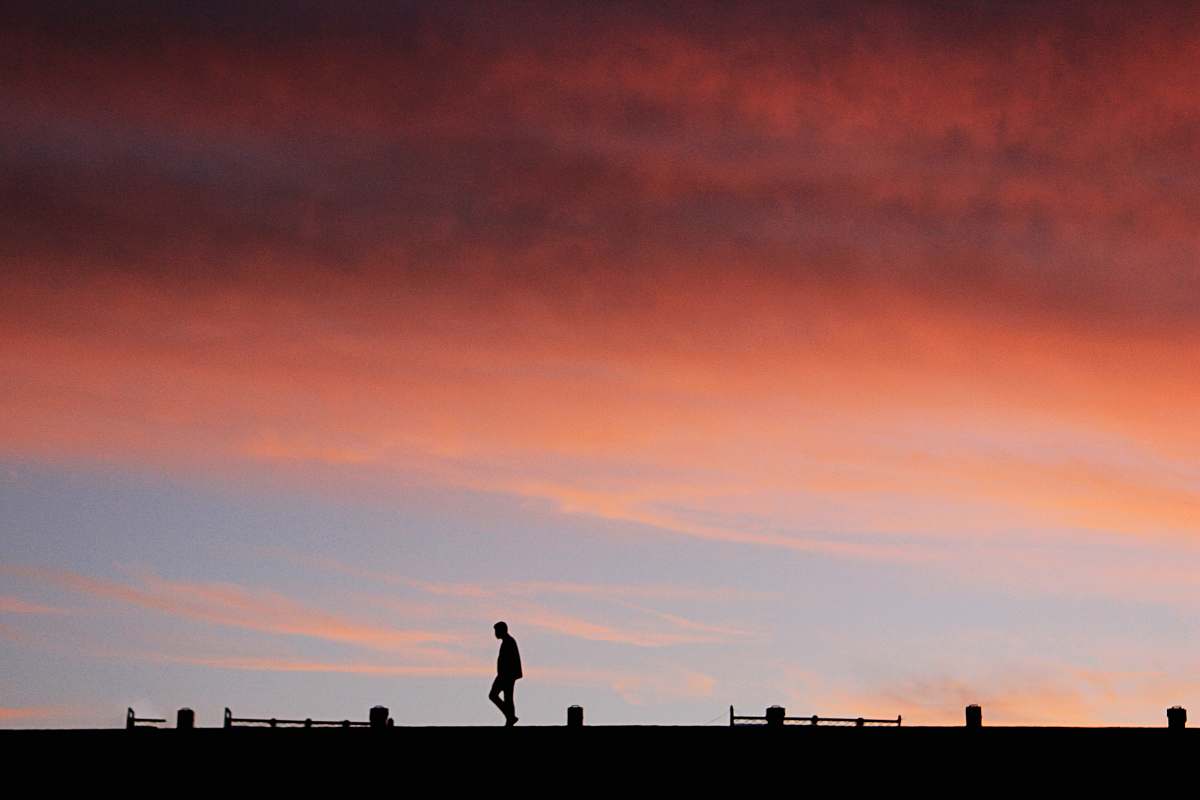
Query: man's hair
x=501 y=626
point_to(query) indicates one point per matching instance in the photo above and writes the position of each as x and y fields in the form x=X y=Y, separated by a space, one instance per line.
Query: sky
x=841 y=356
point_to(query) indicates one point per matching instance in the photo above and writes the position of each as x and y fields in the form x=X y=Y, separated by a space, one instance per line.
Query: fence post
x=185 y=719
x=1176 y=718
x=574 y=716
x=858 y=723
x=775 y=716
x=129 y=723
x=974 y=716
x=378 y=717
x=228 y=718
x=731 y=716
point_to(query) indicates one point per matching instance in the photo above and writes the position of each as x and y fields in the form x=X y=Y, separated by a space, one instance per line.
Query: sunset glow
x=839 y=358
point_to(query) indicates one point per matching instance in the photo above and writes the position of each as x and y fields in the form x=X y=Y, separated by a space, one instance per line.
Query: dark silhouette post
x=974 y=716
x=508 y=672
x=378 y=717
x=574 y=716
x=185 y=719
x=1176 y=718
x=775 y=716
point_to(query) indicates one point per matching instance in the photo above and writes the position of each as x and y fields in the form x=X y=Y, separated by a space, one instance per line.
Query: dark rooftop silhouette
x=771 y=752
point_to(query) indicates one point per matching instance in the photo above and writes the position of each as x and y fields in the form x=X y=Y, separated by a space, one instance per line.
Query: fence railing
x=274 y=722
x=133 y=721
x=777 y=716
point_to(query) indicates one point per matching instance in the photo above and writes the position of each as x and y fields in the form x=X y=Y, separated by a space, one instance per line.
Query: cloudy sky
x=840 y=356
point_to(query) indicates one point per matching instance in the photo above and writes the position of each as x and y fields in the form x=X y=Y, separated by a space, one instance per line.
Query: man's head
x=501 y=629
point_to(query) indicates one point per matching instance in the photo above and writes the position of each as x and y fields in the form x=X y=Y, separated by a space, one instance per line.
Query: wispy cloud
x=476 y=601
x=580 y=628
x=238 y=607
x=724 y=632
x=653 y=685
x=15 y=605
x=516 y=599
x=600 y=591
x=455 y=669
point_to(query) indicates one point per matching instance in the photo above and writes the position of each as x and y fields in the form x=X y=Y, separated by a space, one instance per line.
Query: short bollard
x=378 y=717
x=574 y=716
x=974 y=716
x=185 y=719
x=775 y=716
x=1176 y=718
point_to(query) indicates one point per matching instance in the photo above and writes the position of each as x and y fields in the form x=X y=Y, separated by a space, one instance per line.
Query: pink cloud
x=453 y=669
x=580 y=628
x=15 y=605
x=235 y=606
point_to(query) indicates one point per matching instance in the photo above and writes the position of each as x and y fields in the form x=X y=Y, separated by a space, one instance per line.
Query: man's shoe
x=511 y=721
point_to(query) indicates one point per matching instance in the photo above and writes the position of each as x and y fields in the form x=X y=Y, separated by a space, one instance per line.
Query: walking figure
x=508 y=670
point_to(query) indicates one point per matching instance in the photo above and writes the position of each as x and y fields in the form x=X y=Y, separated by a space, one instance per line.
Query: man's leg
x=494 y=696
x=510 y=710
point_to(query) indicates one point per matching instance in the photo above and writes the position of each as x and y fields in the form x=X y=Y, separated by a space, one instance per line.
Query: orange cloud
x=45 y=714
x=941 y=701
x=1033 y=693
x=664 y=430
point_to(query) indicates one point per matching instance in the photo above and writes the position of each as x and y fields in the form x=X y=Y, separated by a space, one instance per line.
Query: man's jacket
x=508 y=665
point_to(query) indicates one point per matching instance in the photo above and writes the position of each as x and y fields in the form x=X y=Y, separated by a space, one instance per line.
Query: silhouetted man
x=508 y=670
